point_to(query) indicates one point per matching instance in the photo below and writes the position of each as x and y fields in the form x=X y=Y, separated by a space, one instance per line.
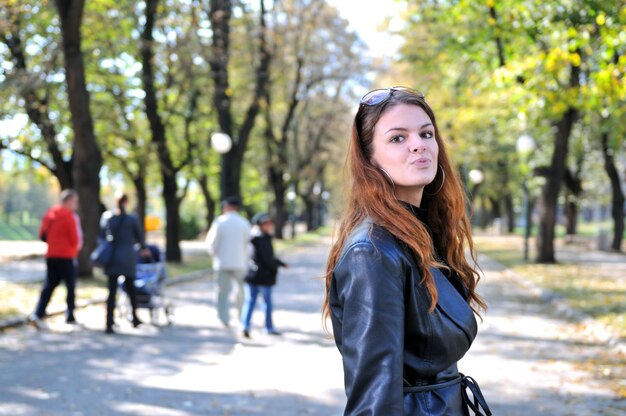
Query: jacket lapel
x=451 y=304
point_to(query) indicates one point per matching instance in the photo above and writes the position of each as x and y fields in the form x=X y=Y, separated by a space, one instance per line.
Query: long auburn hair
x=372 y=195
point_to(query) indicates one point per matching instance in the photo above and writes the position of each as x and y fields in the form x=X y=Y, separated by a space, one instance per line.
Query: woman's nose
x=417 y=146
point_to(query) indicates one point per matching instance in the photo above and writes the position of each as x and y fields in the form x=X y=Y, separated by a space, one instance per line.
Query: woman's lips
x=421 y=163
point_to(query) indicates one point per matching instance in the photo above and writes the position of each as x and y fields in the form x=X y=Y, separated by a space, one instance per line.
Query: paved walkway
x=525 y=358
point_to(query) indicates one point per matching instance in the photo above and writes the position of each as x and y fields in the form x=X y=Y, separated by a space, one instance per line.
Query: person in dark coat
x=127 y=232
x=262 y=273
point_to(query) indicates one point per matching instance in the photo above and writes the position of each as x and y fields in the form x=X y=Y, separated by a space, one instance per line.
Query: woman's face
x=406 y=149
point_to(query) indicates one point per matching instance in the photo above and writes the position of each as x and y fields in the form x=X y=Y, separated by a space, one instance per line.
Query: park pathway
x=525 y=358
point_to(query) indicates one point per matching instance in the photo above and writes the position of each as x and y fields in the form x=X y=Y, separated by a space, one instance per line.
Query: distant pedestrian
x=261 y=274
x=127 y=233
x=60 y=229
x=401 y=293
x=227 y=242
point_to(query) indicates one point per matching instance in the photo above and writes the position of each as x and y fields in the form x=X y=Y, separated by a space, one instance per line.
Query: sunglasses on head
x=378 y=96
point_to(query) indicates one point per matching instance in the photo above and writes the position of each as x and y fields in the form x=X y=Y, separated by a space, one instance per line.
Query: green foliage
x=494 y=70
x=23 y=202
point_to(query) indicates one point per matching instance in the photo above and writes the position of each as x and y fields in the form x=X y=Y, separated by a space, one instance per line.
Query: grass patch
x=596 y=291
x=302 y=239
x=20 y=299
x=588 y=230
x=191 y=263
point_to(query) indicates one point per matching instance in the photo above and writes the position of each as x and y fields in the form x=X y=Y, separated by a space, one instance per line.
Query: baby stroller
x=149 y=284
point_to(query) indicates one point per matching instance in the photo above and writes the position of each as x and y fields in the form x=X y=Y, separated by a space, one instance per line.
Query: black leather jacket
x=398 y=358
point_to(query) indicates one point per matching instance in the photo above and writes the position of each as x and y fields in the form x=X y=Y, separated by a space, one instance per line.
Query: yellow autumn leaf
x=574 y=59
x=601 y=19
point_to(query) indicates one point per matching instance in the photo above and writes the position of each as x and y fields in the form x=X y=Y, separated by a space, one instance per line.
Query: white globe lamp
x=221 y=142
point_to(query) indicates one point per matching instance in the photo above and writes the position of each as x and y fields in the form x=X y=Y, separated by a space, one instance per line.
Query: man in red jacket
x=61 y=230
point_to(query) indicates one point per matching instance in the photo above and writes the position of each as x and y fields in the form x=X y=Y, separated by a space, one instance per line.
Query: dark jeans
x=129 y=288
x=58 y=269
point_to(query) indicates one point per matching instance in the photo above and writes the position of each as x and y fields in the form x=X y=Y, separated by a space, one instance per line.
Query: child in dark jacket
x=262 y=273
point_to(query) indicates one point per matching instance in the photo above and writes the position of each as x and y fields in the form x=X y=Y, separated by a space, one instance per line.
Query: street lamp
x=221 y=142
x=525 y=145
x=476 y=177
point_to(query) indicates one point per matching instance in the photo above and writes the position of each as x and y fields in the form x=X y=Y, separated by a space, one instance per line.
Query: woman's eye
x=397 y=139
x=427 y=134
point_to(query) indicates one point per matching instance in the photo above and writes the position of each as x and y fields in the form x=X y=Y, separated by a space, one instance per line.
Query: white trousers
x=225 y=279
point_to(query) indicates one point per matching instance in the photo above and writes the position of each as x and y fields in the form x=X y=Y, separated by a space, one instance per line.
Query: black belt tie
x=479 y=404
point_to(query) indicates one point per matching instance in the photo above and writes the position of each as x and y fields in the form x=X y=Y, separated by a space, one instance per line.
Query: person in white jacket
x=228 y=239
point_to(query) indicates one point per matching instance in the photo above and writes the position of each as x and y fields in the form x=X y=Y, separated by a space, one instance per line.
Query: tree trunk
x=510 y=213
x=548 y=198
x=617 y=203
x=219 y=16
x=203 y=181
x=142 y=197
x=172 y=225
x=312 y=212
x=168 y=171
x=278 y=186
x=570 y=212
x=573 y=182
x=87 y=159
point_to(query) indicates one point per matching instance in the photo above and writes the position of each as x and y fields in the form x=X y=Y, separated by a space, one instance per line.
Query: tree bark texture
x=139 y=181
x=168 y=171
x=203 y=182
x=219 y=15
x=548 y=199
x=573 y=182
x=87 y=159
x=617 y=202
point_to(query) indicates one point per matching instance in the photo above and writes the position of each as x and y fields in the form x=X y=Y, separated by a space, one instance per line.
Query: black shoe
x=136 y=322
x=245 y=333
x=71 y=321
x=109 y=331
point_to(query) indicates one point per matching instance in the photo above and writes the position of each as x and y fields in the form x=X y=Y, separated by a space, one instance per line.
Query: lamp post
x=525 y=145
x=291 y=197
x=222 y=143
x=476 y=177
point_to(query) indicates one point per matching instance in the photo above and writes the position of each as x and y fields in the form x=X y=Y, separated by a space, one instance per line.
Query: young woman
x=126 y=232
x=401 y=294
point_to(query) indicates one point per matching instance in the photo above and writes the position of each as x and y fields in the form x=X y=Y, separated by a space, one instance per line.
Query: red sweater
x=61 y=232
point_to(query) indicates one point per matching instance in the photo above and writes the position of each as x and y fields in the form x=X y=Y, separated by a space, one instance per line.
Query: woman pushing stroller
x=126 y=232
